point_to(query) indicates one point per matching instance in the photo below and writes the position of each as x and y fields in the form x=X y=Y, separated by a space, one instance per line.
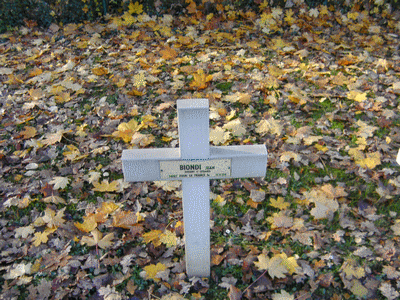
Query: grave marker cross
x=195 y=163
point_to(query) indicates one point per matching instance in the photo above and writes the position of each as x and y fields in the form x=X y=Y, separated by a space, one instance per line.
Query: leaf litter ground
x=321 y=90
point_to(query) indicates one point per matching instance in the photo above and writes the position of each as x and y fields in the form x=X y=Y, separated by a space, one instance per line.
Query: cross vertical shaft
x=193 y=121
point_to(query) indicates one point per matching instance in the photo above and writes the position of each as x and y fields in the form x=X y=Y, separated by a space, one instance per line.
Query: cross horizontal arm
x=144 y=164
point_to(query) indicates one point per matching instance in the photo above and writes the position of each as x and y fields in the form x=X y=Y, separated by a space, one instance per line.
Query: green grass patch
x=224 y=86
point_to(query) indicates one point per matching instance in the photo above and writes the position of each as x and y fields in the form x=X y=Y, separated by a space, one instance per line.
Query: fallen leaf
x=52 y=219
x=283 y=295
x=88 y=225
x=168 y=238
x=18 y=270
x=59 y=182
x=154 y=237
x=269 y=126
x=279 y=203
x=234 y=293
x=388 y=291
x=152 y=270
x=28 y=132
x=42 y=237
x=273 y=265
x=100 y=71
x=358 y=289
x=257 y=196
x=370 y=161
x=219 y=136
x=54 y=199
x=126 y=130
x=105 y=186
x=24 y=231
x=243 y=98
x=200 y=80
x=98 y=239
x=125 y=219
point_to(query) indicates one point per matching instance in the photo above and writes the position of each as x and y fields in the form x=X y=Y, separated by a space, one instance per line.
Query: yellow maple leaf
x=81 y=130
x=357 y=96
x=220 y=200
x=279 y=203
x=288 y=155
x=126 y=130
x=168 y=238
x=88 y=225
x=105 y=186
x=289 y=262
x=200 y=80
x=148 y=120
x=152 y=270
x=42 y=237
x=153 y=236
x=289 y=17
x=108 y=207
x=370 y=161
x=36 y=94
x=253 y=44
x=365 y=130
x=98 y=239
x=321 y=147
x=135 y=8
x=128 y=18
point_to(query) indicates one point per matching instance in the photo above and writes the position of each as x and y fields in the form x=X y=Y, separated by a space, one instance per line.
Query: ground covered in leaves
x=319 y=87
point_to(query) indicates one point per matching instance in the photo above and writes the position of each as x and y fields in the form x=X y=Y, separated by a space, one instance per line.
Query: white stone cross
x=195 y=163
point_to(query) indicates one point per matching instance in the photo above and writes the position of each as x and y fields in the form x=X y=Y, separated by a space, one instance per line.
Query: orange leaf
x=29 y=132
x=200 y=80
x=191 y=8
x=125 y=219
x=252 y=204
x=168 y=53
x=35 y=72
x=100 y=71
x=134 y=92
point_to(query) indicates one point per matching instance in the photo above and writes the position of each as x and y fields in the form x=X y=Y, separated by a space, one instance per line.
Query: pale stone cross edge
x=195 y=162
